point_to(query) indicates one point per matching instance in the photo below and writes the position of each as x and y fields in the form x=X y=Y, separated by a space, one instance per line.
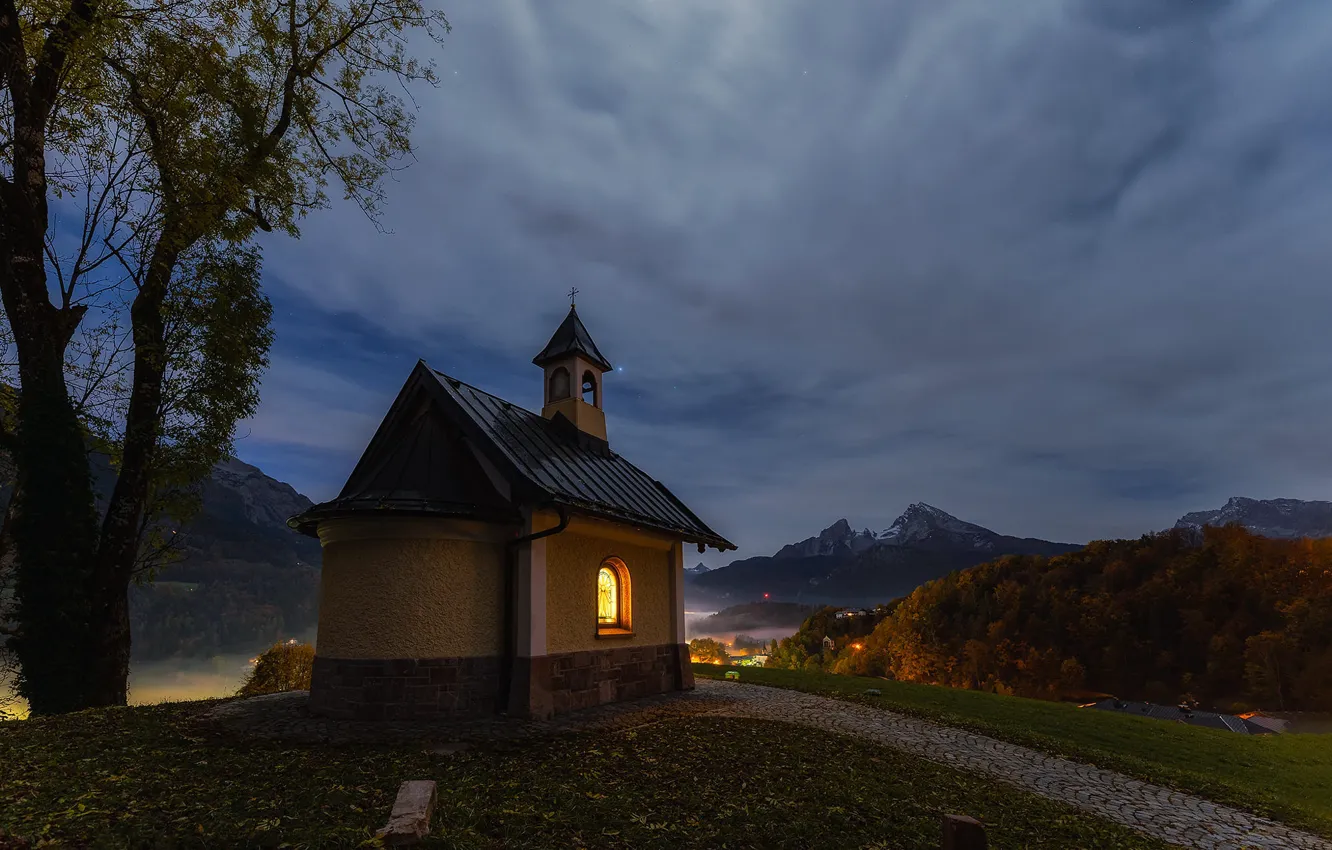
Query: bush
x=283 y=667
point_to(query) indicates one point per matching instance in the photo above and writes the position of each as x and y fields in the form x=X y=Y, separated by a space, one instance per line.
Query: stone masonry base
x=467 y=688
x=404 y=688
x=568 y=681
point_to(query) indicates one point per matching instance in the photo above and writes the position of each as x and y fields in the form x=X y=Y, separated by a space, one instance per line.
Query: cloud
x=1057 y=267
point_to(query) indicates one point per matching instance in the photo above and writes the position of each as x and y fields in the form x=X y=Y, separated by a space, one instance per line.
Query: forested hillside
x=240 y=579
x=1235 y=620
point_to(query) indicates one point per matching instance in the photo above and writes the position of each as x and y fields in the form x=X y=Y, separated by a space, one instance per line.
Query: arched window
x=590 y=388
x=559 y=384
x=608 y=597
x=613 y=598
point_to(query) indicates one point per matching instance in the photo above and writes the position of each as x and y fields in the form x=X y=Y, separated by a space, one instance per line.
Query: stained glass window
x=608 y=597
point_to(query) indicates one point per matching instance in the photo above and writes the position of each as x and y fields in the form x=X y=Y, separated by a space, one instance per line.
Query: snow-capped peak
x=920 y=521
x=1279 y=518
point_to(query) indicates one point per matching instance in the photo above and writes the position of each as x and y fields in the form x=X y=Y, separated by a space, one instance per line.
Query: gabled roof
x=543 y=463
x=416 y=463
x=571 y=338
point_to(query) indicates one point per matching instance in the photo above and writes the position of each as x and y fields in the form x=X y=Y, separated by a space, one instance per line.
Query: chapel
x=484 y=559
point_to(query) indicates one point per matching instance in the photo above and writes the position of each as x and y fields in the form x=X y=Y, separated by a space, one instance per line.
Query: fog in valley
x=176 y=679
x=180 y=679
x=695 y=627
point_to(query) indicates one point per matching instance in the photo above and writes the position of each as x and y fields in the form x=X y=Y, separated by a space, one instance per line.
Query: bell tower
x=573 y=370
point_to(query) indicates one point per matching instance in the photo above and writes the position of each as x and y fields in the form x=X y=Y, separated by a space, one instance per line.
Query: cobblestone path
x=1160 y=812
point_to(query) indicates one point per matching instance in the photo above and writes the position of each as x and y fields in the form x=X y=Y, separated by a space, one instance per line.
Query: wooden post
x=963 y=833
x=409 y=822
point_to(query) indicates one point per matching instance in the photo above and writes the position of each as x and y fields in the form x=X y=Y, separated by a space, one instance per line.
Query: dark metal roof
x=417 y=463
x=426 y=459
x=572 y=338
x=567 y=467
x=1209 y=719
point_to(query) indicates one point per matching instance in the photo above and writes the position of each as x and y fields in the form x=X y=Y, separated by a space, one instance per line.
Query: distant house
x=853 y=612
x=1178 y=714
x=828 y=644
x=848 y=613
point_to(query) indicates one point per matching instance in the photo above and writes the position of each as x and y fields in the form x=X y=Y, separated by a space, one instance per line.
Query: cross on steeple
x=573 y=293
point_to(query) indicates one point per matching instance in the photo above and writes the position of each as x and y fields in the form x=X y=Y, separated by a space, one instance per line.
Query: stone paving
x=1171 y=816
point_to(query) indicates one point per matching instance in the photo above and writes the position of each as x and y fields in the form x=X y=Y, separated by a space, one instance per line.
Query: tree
x=1269 y=659
x=281 y=667
x=708 y=651
x=1213 y=616
x=174 y=131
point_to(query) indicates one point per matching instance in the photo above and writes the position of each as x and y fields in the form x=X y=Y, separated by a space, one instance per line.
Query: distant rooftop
x=1208 y=719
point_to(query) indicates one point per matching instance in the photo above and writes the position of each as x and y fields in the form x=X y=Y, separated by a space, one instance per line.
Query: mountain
x=696 y=570
x=243 y=581
x=244 y=518
x=847 y=567
x=837 y=539
x=924 y=527
x=1282 y=519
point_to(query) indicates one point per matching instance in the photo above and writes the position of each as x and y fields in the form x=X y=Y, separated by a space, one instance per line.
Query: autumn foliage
x=708 y=651
x=281 y=667
x=1235 y=620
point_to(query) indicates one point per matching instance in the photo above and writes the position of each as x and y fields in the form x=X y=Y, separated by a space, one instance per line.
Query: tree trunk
x=122 y=525
x=55 y=523
x=54 y=537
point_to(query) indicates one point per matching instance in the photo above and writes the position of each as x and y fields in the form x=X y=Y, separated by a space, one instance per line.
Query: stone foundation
x=568 y=681
x=404 y=688
x=468 y=688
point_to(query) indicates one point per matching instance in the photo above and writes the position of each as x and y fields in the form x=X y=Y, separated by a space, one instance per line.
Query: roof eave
x=543 y=360
x=714 y=541
x=307 y=522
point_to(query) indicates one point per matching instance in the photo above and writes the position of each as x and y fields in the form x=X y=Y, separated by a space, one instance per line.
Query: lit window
x=614 y=599
x=608 y=597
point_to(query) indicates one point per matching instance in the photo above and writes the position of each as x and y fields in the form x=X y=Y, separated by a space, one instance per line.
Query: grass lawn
x=1286 y=777
x=135 y=777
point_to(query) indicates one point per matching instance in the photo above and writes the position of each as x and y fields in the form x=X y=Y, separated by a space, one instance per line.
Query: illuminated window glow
x=608 y=597
x=615 y=599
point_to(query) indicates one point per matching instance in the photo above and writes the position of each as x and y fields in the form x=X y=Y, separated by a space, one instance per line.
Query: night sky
x=1051 y=266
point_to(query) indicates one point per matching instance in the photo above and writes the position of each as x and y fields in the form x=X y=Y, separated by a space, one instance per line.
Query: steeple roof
x=572 y=338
